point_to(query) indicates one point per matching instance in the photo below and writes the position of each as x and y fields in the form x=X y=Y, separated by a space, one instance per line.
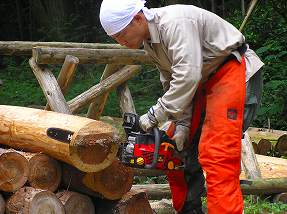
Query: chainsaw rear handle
x=156 y=133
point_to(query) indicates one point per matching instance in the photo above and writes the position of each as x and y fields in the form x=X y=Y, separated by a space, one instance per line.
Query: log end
x=94 y=147
x=45 y=172
x=13 y=171
x=112 y=182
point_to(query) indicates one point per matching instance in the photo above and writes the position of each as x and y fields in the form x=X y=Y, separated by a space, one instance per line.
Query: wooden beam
x=24 y=48
x=87 y=144
x=48 y=55
x=50 y=88
x=66 y=74
x=97 y=106
x=105 y=86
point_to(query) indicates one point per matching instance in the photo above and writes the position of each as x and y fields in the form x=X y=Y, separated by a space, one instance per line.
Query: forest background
x=78 y=21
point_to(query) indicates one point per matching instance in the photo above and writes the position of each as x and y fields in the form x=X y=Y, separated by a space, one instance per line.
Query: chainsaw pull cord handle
x=156 y=149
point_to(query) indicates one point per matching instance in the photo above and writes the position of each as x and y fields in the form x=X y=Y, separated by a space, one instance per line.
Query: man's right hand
x=181 y=136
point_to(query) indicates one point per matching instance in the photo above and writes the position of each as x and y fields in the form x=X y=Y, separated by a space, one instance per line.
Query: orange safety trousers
x=222 y=98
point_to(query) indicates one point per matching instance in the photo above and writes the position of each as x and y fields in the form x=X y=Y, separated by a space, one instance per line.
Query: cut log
x=48 y=55
x=75 y=203
x=66 y=75
x=2 y=205
x=163 y=206
x=13 y=170
x=96 y=108
x=87 y=144
x=255 y=147
x=24 y=48
x=257 y=134
x=132 y=202
x=251 y=187
x=281 y=145
x=111 y=183
x=264 y=147
x=281 y=197
x=103 y=87
x=28 y=200
x=44 y=172
x=50 y=88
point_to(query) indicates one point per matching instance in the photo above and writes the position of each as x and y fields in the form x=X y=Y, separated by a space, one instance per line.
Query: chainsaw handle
x=156 y=133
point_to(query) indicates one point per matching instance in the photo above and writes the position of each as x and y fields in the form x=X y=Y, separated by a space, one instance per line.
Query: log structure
x=28 y=200
x=75 y=203
x=44 y=172
x=50 y=55
x=13 y=170
x=24 y=48
x=87 y=144
x=132 y=202
x=111 y=183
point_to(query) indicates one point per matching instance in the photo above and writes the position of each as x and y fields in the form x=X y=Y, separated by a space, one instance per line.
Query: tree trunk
x=252 y=187
x=47 y=55
x=132 y=202
x=87 y=144
x=75 y=203
x=13 y=170
x=111 y=183
x=24 y=48
x=44 y=172
x=28 y=200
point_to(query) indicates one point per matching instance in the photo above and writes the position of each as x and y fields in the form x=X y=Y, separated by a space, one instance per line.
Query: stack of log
x=62 y=164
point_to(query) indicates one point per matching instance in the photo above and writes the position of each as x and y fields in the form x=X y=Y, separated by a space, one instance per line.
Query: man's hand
x=181 y=136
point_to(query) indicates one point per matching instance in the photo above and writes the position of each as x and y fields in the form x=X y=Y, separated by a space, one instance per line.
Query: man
x=204 y=64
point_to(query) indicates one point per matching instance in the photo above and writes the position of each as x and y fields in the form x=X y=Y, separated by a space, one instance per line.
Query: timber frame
x=121 y=65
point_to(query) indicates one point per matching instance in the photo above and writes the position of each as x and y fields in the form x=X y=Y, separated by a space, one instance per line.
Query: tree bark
x=47 y=55
x=97 y=106
x=125 y=99
x=66 y=75
x=132 y=202
x=28 y=200
x=50 y=88
x=281 y=145
x=13 y=170
x=76 y=203
x=252 y=187
x=44 y=172
x=24 y=48
x=264 y=147
x=87 y=144
x=111 y=183
x=103 y=87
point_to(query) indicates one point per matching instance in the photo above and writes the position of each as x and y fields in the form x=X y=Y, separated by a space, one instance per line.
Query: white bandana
x=115 y=15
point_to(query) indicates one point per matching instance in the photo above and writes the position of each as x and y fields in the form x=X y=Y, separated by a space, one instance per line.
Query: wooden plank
x=50 y=55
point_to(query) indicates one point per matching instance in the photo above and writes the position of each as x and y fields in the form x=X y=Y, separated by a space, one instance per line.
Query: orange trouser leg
x=220 y=142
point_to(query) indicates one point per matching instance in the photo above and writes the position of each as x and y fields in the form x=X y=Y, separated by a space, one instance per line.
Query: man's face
x=133 y=35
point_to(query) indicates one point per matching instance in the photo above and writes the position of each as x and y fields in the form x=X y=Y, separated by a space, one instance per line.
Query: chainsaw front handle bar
x=156 y=133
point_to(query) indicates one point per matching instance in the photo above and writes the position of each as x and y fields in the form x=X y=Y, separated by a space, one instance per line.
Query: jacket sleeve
x=181 y=38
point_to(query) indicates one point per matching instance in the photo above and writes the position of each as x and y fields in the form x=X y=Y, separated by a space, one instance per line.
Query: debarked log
x=24 y=48
x=50 y=55
x=248 y=187
x=28 y=200
x=14 y=170
x=111 y=183
x=87 y=144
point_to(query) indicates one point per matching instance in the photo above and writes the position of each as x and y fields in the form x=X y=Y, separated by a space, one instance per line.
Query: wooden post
x=66 y=74
x=48 y=55
x=248 y=159
x=97 y=106
x=29 y=200
x=50 y=88
x=13 y=170
x=76 y=203
x=87 y=144
x=108 y=84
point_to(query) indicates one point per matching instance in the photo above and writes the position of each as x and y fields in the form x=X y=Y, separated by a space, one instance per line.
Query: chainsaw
x=149 y=150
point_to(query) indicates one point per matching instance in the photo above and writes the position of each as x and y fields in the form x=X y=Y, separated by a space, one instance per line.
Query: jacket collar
x=153 y=30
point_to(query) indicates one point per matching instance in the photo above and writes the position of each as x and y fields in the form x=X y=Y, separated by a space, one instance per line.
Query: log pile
x=58 y=163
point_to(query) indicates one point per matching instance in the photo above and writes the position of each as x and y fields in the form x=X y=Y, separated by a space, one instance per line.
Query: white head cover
x=115 y=15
